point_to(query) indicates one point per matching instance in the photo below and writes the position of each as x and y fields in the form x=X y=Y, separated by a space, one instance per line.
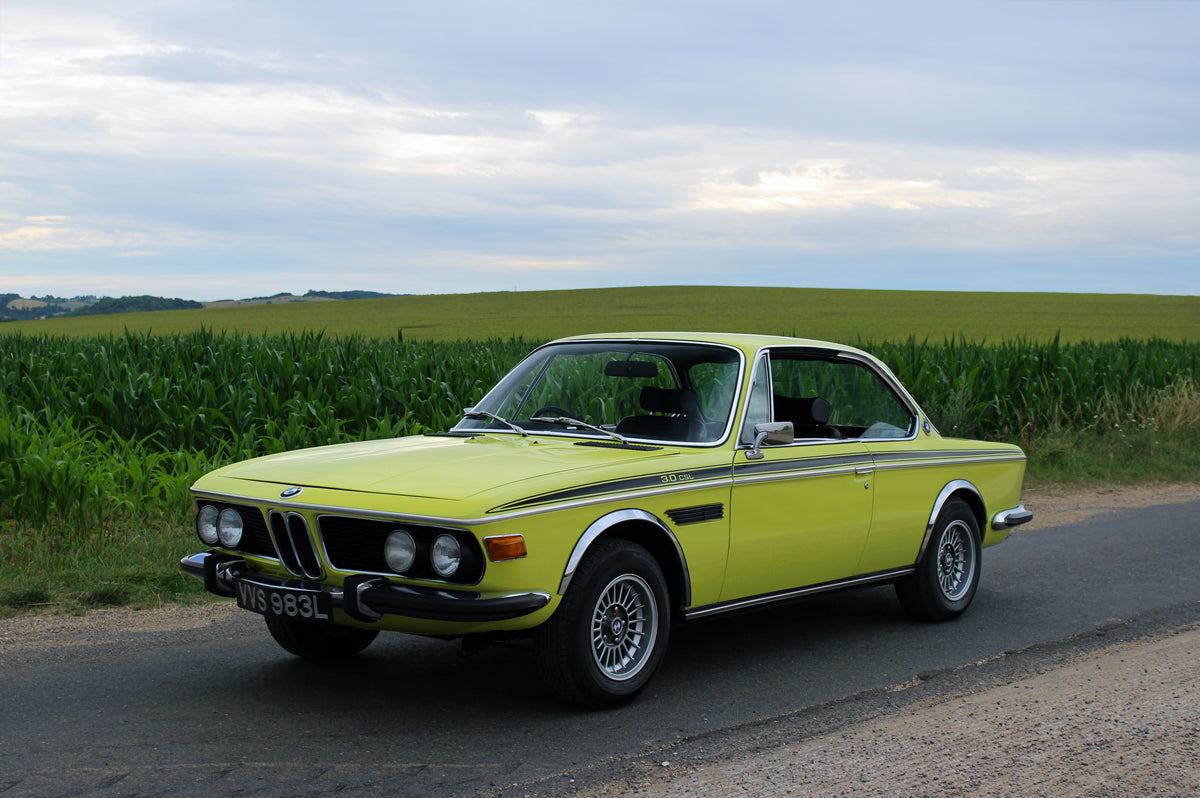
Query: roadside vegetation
x=100 y=437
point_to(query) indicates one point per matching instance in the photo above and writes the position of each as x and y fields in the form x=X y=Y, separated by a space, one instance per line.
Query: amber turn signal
x=505 y=547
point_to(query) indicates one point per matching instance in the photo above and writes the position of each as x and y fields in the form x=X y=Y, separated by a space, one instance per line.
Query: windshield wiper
x=481 y=415
x=566 y=421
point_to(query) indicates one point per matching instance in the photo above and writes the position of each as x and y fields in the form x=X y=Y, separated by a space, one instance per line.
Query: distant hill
x=14 y=307
x=134 y=304
x=310 y=296
x=348 y=294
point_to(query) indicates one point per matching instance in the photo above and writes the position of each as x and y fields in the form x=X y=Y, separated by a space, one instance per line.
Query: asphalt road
x=222 y=710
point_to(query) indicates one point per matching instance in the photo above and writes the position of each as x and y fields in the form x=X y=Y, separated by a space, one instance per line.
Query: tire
x=947 y=577
x=609 y=634
x=319 y=642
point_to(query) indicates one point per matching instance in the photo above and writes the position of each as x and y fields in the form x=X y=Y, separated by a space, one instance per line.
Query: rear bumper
x=369 y=598
x=1006 y=519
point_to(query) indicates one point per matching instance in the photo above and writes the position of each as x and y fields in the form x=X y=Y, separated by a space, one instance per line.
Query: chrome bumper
x=369 y=598
x=1006 y=519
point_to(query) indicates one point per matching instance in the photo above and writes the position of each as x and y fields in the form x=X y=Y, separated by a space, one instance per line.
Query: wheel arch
x=647 y=531
x=955 y=489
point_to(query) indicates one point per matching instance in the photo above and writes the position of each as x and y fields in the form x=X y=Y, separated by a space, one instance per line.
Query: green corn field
x=107 y=433
x=101 y=437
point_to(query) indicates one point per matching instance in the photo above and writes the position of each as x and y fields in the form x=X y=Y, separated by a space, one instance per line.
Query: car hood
x=433 y=467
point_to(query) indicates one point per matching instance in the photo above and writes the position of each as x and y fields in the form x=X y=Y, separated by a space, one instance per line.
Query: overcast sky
x=212 y=149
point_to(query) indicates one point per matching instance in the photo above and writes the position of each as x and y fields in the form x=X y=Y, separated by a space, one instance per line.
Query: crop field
x=828 y=314
x=102 y=434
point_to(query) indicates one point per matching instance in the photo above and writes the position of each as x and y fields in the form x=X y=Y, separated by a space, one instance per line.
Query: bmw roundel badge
x=290 y=492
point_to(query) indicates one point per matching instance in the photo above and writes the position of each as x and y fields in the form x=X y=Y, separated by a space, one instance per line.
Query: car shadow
x=420 y=677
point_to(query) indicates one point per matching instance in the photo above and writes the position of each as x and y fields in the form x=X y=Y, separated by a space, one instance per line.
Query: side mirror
x=777 y=433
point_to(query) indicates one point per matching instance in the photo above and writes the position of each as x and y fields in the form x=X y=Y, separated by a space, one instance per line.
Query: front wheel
x=947 y=577
x=609 y=633
x=317 y=641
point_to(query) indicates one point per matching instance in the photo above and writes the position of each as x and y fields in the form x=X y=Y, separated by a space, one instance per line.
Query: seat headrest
x=668 y=400
x=812 y=411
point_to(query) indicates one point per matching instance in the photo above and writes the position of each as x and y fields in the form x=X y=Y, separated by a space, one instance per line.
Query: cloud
x=585 y=144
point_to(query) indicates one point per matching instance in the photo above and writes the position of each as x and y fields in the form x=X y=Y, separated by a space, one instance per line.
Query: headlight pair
x=400 y=550
x=222 y=527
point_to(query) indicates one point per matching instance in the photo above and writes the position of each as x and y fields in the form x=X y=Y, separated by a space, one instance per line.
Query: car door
x=800 y=514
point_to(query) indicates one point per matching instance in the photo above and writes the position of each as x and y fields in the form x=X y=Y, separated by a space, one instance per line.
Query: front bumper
x=369 y=598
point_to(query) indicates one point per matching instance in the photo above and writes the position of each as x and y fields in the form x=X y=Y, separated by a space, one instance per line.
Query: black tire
x=947 y=576
x=608 y=636
x=318 y=641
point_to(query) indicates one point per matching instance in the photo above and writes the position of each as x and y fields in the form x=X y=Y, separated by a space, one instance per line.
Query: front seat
x=680 y=419
x=809 y=416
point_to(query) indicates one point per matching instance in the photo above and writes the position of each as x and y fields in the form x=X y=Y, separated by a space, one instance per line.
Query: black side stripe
x=797 y=467
x=665 y=479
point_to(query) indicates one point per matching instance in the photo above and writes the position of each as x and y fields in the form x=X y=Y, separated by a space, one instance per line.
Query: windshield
x=658 y=391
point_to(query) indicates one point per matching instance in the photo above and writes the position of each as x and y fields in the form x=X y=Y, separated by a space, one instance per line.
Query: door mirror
x=775 y=433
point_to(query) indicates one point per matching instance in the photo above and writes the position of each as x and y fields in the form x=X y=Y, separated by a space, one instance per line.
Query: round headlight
x=445 y=555
x=229 y=528
x=206 y=524
x=400 y=550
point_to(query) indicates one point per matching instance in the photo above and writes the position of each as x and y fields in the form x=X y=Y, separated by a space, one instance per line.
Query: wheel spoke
x=955 y=561
x=623 y=627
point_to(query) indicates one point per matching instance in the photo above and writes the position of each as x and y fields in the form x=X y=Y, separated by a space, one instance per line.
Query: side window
x=828 y=397
x=758 y=408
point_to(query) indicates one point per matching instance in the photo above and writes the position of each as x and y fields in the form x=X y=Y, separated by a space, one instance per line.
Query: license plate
x=285 y=603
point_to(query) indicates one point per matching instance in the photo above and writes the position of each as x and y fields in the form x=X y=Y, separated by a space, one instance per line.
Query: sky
x=209 y=149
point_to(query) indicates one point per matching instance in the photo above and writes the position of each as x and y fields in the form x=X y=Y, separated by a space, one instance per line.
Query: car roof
x=745 y=341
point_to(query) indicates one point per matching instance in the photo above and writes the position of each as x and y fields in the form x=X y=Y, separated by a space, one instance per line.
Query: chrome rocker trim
x=801 y=592
x=369 y=598
x=1006 y=519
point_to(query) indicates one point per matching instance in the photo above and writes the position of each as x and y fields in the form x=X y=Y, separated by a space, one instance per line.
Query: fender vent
x=695 y=515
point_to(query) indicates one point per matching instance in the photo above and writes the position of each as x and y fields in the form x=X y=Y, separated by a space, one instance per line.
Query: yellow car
x=607 y=488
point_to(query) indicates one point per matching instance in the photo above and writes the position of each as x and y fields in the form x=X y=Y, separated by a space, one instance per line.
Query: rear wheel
x=609 y=633
x=947 y=577
x=317 y=641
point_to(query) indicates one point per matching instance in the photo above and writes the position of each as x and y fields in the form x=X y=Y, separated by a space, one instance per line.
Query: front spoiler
x=369 y=598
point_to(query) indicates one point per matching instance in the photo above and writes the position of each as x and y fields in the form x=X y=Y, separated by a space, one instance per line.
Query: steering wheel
x=551 y=410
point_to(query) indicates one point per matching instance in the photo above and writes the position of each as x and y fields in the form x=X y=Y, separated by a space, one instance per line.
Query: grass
x=70 y=567
x=828 y=314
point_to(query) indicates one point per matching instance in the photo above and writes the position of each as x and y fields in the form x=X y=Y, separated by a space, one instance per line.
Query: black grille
x=255 y=537
x=356 y=544
x=694 y=515
x=295 y=547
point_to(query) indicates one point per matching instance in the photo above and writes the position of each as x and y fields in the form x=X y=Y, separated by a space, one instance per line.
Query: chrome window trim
x=735 y=402
x=875 y=366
